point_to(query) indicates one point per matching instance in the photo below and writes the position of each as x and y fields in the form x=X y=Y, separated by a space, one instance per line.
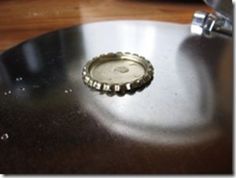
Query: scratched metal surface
x=50 y=122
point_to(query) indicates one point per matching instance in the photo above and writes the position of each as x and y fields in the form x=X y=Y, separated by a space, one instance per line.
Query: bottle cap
x=117 y=72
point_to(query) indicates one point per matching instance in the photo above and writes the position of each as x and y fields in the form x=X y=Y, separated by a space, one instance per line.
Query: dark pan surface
x=50 y=122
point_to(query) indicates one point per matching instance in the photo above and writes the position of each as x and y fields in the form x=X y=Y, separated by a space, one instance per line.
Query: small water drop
x=4 y=137
x=7 y=92
x=19 y=79
x=23 y=89
x=69 y=90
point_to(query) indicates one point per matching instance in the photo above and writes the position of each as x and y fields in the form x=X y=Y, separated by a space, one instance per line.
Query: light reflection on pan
x=179 y=106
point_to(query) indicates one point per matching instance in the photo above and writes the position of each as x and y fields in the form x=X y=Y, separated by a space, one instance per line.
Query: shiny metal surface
x=204 y=23
x=220 y=21
x=180 y=123
x=224 y=7
x=118 y=72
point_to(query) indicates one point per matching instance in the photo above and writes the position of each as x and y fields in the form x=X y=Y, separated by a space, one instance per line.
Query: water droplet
x=68 y=91
x=19 y=79
x=4 y=137
x=23 y=89
x=7 y=92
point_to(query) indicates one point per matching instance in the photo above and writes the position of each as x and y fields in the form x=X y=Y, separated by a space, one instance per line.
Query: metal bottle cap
x=117 y=72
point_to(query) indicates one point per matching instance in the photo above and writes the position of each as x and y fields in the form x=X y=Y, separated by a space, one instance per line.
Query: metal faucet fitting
x=220 y=21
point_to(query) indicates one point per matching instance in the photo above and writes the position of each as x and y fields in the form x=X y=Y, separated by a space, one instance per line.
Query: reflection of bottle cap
x=117 y=72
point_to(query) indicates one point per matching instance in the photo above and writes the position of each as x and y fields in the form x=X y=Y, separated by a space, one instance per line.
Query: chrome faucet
x=220 y=21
